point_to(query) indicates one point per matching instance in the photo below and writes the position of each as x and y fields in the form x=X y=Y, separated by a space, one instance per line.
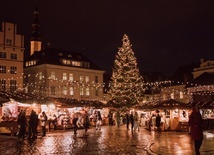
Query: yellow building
x=11 y=57
x=59 y=73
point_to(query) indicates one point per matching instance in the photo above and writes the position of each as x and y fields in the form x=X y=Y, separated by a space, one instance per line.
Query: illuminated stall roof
x=203 y=105
x=172 y=104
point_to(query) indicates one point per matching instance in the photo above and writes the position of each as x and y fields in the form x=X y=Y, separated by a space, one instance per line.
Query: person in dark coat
x=110 y=119
x=131 y=118
x=196 y=128
x=33 y=123
x=127 y=120
x=158 y=122
x=86 y=121
x=74 y=122
x=23 y=125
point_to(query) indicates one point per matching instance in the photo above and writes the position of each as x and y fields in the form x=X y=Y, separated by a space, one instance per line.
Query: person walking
x=86 y=121
x=99 y=121
x=127 y=120
x=196 y=128
x=131 y=118
x=74 y=122
x=43 y=119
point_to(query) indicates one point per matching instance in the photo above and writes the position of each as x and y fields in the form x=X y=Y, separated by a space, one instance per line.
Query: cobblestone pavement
x=110 y=140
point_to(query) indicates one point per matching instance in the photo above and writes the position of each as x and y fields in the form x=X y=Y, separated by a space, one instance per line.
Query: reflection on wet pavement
x=109 y=140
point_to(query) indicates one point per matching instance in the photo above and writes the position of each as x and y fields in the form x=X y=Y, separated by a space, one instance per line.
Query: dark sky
x=164 y=34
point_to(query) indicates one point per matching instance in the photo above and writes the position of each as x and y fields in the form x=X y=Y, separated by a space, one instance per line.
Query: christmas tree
x=126 y=87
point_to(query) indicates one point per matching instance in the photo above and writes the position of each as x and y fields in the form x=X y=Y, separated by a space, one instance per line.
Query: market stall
x=8 y=117
x=174 y=115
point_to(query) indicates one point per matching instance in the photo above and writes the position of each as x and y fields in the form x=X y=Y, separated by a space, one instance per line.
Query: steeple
x=35 y=39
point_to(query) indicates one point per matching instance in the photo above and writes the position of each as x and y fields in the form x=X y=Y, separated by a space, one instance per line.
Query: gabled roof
x=203 y=79
x=55 y=56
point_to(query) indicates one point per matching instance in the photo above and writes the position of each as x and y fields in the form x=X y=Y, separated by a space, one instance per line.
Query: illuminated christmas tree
x=126 y=87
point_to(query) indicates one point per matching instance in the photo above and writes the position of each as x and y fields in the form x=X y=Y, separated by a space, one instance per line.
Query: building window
x=3 y=54
x=13 y=56
x=13 y=70
x=75 y=63
x=181 y=95
x=65 y=90
x=71 y=91
x=66 y=62
x=30 y=63
x=64 y=76
x=96 y=92
x=3 y=85
x=53 y=90
x=81 y=78
x=71 y=77
x=87 y=92
x=81 y=91
x=13 y=85
x=9 y=42
x=53 y=76
x=96 y=79
x=86 y=79
x=2 y=69
x=40 y=75
x=172 y=96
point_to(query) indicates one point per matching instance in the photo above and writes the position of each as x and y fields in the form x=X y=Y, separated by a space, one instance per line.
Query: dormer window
x=70 y=56
x=60 y=54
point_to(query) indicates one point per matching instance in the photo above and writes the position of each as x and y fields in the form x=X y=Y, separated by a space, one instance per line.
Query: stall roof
x=203 y=105
x=171 y=104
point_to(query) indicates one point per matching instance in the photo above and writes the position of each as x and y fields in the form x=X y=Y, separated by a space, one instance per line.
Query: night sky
x=164 y=34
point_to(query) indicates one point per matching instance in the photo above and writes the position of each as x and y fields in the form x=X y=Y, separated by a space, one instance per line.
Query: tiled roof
x=54 y=57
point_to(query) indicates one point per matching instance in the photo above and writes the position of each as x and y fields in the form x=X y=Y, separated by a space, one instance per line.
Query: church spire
x=35 y=39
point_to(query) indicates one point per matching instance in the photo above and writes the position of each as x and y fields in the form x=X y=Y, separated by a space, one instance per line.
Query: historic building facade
x=11 y=57
x=58 y=73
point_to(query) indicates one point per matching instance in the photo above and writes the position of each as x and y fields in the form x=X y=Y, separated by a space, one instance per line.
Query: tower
x=35 y=40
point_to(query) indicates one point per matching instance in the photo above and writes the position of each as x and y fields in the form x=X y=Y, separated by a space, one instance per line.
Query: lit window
x=87 y=93
x=81 y=78
x=181 y=95
x=53 y=76
x=86 y=79
x=71 y=91
x=65 y=90
x=71 y=77
x=2 y=69
x=75 y=63
x=13 y=70
x=172 y=96
x=40 y=75
x=81 y=91
x=64 y=76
